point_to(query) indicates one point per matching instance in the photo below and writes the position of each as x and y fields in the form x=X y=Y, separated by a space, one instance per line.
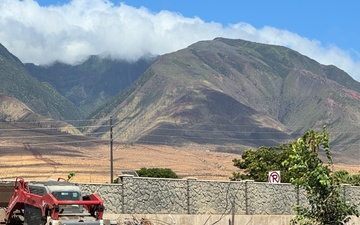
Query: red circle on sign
x=274 y=177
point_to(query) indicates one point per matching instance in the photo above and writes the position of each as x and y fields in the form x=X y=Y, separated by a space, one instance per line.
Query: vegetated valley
x=192 y=110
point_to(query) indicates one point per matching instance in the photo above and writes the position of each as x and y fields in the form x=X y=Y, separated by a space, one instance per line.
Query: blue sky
x=331 y=22
x=324 y=30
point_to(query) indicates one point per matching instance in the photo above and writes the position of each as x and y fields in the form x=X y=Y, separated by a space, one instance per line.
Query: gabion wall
x=134 y=195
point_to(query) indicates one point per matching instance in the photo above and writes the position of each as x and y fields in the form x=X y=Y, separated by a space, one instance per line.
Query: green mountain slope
x=92 y=83
x=39 y=97
x=236 y=93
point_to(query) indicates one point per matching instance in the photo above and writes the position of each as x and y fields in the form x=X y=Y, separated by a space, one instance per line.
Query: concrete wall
x=209 y=219
x=196 y=202
x=136 y=195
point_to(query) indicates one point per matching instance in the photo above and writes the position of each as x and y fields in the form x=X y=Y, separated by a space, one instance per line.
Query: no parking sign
x=274 y=177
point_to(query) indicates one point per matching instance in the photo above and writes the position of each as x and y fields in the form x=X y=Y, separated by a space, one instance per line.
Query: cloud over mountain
x=71 y=32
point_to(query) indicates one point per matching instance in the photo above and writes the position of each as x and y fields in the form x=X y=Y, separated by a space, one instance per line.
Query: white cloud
x=71 y=32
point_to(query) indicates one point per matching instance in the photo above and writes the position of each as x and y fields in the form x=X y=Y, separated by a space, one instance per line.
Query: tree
x=156 y=172
x=327 y=205
x=70 y=176
x=300 y=164
x=258 y=163
x=355 y=180
x=344 y=177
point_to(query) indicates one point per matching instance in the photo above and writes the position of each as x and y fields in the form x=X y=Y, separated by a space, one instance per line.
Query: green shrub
x=156 y=172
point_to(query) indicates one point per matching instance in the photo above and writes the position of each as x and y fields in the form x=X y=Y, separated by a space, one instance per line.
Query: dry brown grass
x=91 y=160
x=92 y=163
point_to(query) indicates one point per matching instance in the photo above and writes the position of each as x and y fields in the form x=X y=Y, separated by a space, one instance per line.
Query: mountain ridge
x=91 y=83
x=226 y=94
x=281 y=85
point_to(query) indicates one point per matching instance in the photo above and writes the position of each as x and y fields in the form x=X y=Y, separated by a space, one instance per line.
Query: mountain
x=13 y=110
x=42 y=98
x=90 y=84
x=236 y=94
x=222 y=94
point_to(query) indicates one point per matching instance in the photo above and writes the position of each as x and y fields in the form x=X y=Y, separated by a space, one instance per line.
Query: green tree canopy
x=156 y=172
x=344 y=177
x=258 y=163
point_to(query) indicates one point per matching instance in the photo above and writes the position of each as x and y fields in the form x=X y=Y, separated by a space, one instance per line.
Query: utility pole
x=233 y=212
x=111 y=153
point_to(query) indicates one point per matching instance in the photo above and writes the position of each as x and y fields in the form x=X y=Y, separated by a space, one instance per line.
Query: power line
x=54 y=121
x=237 y=127
x=188 y=137
x=211 y=138
x=47 y=136
x=60 y=142
x=181 y=130
x=47 y=128
x=216 y=126
x=161 y=135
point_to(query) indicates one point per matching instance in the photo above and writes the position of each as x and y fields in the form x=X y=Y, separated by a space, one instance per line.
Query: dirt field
x=91 y=162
